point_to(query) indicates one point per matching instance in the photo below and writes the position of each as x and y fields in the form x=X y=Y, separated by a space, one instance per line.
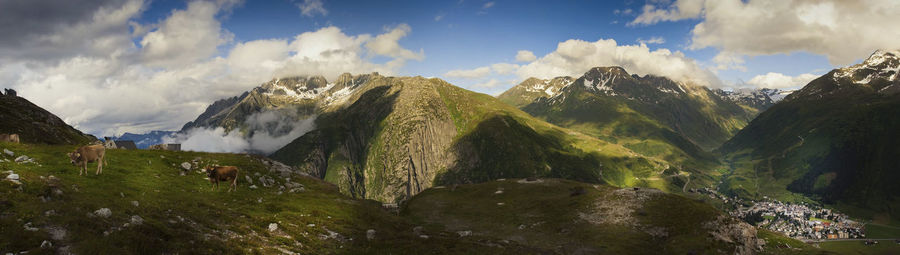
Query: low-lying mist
x=262 y=133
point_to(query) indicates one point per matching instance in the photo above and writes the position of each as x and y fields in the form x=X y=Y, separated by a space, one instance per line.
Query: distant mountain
x=607 y=101
x=834 y=139
x=393 y=137
x=145 y=140
x=36 y=125
x=534 y=88
x=297 y=97
x=759 y=99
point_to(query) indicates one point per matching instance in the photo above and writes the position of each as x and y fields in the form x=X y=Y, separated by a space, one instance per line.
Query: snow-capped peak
x=882 y=64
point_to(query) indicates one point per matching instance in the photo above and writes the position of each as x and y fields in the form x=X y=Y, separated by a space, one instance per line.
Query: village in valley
x=802 y=221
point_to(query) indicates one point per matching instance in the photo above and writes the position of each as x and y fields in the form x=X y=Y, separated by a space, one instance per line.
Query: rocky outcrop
x=33 y=124
x=732 y=231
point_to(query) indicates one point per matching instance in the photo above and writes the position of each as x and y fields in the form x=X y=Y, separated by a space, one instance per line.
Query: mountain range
x=833 y=140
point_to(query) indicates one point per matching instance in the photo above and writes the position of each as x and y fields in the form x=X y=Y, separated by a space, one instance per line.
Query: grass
x=181 y=214
x=858 y=247
x=547 y=216
x=879 y=231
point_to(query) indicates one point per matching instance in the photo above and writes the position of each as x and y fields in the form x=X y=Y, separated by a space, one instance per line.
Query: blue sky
x=464 y=34
x=114 y=66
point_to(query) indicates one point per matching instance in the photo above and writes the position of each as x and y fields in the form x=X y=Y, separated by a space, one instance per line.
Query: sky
x=114 y=66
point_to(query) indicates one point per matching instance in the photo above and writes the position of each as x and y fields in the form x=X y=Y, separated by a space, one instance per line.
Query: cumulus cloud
x=487 y=5
x=310 y=8
x=779 y=80
x=185 y=37
x=470 y=73
x=574 y=57
x=504 y=68
x=386 y=44
x=272 y=131
x=652 y=40
x=115 y=79
x=525 y=56
x=488 y=84
x=843 y=31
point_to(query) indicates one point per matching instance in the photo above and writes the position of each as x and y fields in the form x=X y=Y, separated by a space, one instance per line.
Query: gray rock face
x=739 y=233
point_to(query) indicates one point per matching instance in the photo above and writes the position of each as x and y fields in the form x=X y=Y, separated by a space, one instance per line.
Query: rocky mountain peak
x=882 y=64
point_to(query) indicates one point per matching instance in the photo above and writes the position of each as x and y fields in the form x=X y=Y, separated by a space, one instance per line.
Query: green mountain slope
x=155 y=206
x=835 y=140
x=556 y=216
x=36 y=125
x=155 y=209
x=397 y=136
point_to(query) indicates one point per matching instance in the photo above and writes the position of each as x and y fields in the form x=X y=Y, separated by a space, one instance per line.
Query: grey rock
x=273 y=227
x=186 y=166
x=370 y=234
x=135 y=203
x=46 y=244
x=8 y=152
x=103 y=212
x=136 y=220
x=464 y=233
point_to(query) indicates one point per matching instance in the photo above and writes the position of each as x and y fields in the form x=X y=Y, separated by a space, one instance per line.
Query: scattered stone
x=121 y=194
x=249 y=180
x=23 y=159
x=8 y=152
x=57 y=233
x=186 y=166
x=464 y=233
x=310 y=225
x=370 y=234
x=418 y=230
x=135 y=203
x=14 y=178
x=103 y=212
x=28 y=227
x=49 y=213
x=46 y=244
x=423 y=236
x=521 y=227
x=501 y=179
x=501 y=204
x=498 y=192
x=253 y=187
x=136 y=220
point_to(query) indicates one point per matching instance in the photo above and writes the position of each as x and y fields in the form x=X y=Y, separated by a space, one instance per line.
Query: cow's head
x=73 y=157
x=210 y=171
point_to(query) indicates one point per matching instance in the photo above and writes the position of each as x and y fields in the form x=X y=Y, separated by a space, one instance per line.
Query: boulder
x=370 y=234
x=186 y=166
x=103 y=212
x=136 y=220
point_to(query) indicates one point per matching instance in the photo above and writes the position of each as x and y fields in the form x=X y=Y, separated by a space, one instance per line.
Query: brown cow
x=87 y=154
x=13 y=138
x=222 y=173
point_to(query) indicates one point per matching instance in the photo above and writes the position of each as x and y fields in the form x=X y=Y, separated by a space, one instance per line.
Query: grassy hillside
x=839 y=149
x=33 y=124
x=181 y=214
x=400 y=135
x=555 y=216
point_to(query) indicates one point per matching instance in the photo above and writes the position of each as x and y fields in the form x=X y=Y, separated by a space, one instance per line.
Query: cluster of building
x=801 y=221
x=109 y=143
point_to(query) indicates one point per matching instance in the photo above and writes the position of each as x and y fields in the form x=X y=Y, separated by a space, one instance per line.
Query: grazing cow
x=13 y=138
x=222 y=173
x=87 y=154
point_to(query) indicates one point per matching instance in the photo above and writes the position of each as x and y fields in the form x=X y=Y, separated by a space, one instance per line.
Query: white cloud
x=487 y=5
x=470 y=73
x=275 y=130
x=439 y=17
x=652 y=40
x=525 y=56
x=386 y=44
x=125 y=87
x=504 y=68
x=843 y=31
x=729 y=60
x=574 y=57
x=778 y=80
x=185 y=37
x=489 y=84
x=310 y=8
